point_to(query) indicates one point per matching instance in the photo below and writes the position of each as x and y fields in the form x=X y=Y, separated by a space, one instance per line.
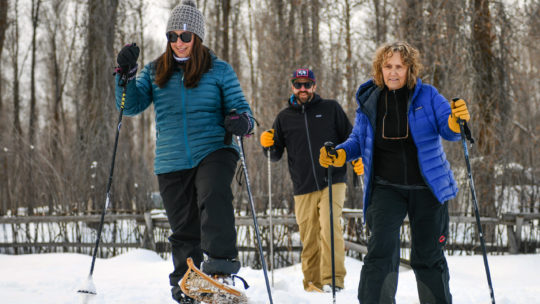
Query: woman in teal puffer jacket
x=399 y=127
x=194 y=94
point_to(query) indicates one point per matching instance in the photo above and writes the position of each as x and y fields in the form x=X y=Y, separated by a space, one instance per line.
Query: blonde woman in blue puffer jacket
x=399 y=127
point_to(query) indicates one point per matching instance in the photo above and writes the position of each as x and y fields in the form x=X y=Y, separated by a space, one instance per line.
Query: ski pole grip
x=464 y=127
x=123 y=81
x=228 y=135
x=329 y=146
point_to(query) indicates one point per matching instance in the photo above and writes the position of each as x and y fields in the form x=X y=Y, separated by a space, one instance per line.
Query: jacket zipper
x=184 y=97
x=368 y=184
x=310 y=149
x=401 y=142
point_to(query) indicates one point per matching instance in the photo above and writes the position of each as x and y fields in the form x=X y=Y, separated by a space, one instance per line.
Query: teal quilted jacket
x=189 y=122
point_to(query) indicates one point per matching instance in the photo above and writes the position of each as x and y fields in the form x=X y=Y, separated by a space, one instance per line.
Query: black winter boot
x=212 y=266
x=181 y=297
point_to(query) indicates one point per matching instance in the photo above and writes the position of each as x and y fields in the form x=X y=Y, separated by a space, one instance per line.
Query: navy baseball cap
x=303 y=73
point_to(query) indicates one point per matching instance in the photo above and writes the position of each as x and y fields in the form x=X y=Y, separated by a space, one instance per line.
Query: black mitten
x=238 y=124
x=127 y=60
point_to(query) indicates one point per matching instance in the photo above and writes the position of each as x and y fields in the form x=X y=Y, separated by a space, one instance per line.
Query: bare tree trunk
x=225 y=10
x=14 y=161
x=3 y=27
x=315 y=49
x=58 y=67
x=248 y=45
x=294 y=50
x=3 y=160
x=15 y=65
x=350 y=104
x=145 y=122
x=305 y=53
x=30 y=193
x=216 y=39
x=413 y=24
x=235 y=54
x=487 y=116
x=98 y=109
x=380 y=21
x=33 y=115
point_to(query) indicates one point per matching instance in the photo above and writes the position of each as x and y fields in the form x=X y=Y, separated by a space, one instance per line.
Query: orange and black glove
x=267 y=138
x=358 y=166
x=326 y=159
x=459 y=111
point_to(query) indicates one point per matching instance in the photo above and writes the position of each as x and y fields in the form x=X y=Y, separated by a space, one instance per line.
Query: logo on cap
x=303 y=73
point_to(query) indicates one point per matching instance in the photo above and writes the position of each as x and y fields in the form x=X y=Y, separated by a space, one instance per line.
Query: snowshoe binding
x=212 y=290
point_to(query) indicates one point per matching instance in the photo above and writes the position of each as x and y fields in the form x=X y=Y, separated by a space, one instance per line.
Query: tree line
x=58 y=117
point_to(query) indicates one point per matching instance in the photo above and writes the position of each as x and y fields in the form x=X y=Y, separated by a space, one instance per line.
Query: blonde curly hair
x=409 y=55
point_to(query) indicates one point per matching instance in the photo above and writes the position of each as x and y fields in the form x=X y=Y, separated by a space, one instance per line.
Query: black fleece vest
x=395 y=160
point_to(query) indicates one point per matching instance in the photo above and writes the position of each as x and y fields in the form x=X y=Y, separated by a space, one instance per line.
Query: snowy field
x=141 y=276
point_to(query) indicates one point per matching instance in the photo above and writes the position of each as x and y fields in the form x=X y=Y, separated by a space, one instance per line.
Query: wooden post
x=148 y=239
x=514 y=237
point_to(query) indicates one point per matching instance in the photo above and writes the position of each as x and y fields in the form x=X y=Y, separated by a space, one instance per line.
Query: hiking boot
x=179 y=296
x=328 y=288
x=220 y=266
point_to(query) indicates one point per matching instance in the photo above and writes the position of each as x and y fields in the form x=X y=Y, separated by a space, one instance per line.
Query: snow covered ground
x=141 y=276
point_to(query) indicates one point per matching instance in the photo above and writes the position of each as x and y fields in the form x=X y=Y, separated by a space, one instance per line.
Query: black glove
x=238 y=124
x=127 y=60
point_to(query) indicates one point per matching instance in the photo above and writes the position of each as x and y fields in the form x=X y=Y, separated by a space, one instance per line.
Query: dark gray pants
x=429 y=230
x=199 y=208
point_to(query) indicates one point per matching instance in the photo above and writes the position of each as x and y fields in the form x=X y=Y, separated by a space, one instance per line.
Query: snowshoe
x=181 y=297
x=312 y=288
x=211 y=290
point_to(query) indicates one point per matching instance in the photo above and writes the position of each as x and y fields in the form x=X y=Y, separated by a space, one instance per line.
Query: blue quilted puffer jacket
x=189 y=122
x=428 y=113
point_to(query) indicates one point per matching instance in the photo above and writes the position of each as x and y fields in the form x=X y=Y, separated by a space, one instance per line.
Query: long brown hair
x=199 y=63
x=409 y=55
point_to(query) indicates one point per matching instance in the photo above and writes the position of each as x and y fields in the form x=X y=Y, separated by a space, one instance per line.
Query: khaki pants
x=313 y=218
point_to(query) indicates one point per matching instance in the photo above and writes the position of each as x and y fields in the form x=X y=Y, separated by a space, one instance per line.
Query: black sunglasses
x=185 y=37
x=298 y=85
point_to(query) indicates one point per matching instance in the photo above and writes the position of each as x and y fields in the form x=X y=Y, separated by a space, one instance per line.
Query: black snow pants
x=198 y=202
x=429 y=230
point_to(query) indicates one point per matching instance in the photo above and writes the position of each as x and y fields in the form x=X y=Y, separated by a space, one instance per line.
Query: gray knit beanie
x=186 y=17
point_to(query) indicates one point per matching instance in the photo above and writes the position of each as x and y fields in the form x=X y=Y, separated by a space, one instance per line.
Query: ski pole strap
x=246 y=285
x=228 y=134
x=355 y=180
x=124 y=79
x=330 y=148
x=466 y=131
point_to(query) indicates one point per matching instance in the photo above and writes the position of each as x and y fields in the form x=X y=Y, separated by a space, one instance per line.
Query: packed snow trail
x=141 y=276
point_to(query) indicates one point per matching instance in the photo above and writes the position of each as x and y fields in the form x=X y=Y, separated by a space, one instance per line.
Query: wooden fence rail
x=152 y=226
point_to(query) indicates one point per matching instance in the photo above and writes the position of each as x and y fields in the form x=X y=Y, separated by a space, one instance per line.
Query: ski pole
x=270 y=217
x=465 y=132
x=89 y=288
x=331 y=151
x=252 y=205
